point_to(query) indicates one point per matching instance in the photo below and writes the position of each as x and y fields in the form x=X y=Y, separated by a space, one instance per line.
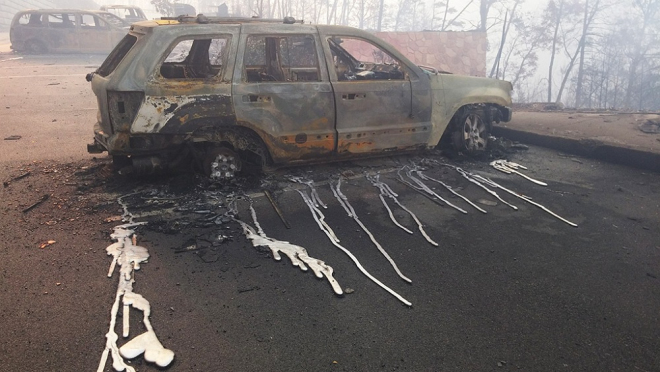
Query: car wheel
x=35 y=47
x=471 y=134
x=221 y=163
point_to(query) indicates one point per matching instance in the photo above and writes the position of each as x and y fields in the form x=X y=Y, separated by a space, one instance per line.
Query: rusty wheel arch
x=244 y=141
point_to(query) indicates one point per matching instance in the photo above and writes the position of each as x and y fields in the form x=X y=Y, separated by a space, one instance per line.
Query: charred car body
x=129 y=13
x=225 y=91
x=66 y=31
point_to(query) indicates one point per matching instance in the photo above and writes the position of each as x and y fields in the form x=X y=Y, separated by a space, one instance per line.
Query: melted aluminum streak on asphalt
x=387 y=191
x=511 y=168
x=470 y=177
x=320 y=220
x=128 y=255
x=422 y=187
x=450 y=189
x=343 y=200
x=489 y=182
x=297 y=254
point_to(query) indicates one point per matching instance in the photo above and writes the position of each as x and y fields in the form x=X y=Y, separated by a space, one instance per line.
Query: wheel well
x=244 y=141
x=28 y=45
x=455 y=120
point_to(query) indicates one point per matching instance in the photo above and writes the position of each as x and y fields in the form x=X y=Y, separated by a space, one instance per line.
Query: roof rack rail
x=202 y=19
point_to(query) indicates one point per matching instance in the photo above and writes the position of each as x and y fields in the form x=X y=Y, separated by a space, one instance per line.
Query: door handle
x=350 y=96
x=254 y=98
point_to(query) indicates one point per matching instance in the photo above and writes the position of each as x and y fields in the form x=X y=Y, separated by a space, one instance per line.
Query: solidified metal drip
x=320 y=220
x=422 y=187
x=425 y=177
x=510 y=167
x=490 y=183
x=316 y=200
x=314 y=195
x=297 y=254
x=129 y=256
x=385 y=190
x=343 y=200
x=470 y=177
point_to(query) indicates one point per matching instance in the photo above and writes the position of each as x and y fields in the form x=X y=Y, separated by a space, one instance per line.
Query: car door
x=190 y=88
x=93 y=34
x=281 y=90
x=382 y=105
x=62 y=34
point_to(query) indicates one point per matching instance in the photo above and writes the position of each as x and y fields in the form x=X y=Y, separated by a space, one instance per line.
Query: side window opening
x=31 y=19
x=195 y=59
x=61 y=20
x=88 y=21
x=357 y=59
x=281 y=59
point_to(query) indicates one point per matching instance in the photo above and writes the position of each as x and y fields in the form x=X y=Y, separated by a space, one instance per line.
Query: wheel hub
x=224 y=165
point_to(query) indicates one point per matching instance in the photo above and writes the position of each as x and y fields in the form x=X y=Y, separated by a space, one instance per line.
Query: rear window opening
x=116 y=56
x=196 y=59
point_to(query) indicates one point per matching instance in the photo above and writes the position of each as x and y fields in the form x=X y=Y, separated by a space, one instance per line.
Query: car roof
x=203 y=21
x=120 y=7
x=64 y=10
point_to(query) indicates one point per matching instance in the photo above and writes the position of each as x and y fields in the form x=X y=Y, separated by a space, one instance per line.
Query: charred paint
x=202 y=112
x=319 y=118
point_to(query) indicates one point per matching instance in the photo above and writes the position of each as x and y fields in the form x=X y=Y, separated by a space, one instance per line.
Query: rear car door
x=281 y=90
x=93 y=34
x=62 y=33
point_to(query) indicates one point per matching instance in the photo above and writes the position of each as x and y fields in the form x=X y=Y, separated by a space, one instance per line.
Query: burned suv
x=229 y=91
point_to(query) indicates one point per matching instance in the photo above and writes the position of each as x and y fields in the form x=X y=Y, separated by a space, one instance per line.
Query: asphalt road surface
x=506 y=290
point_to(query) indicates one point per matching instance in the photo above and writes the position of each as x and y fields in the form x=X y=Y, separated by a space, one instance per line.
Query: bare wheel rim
x=474 y=133
x=224 y=163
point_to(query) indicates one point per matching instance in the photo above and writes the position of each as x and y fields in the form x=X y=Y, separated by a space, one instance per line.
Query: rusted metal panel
x=381 y=114
x=298 y=117
x=375 y=115
x=123 y=108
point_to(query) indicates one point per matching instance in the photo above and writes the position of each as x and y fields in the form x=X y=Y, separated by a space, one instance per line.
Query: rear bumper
x=123 y=143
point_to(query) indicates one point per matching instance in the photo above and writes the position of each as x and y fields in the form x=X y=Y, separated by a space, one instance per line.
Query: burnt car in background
x=128 y=13
x=66 y=31
x=224 y=91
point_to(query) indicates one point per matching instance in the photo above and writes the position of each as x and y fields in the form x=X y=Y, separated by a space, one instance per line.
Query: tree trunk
x=567 y=74
x=554 y=48
x=484 y=7
x=496 y=63
x=583 y=42
x=380 y=14
x=505 y=31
